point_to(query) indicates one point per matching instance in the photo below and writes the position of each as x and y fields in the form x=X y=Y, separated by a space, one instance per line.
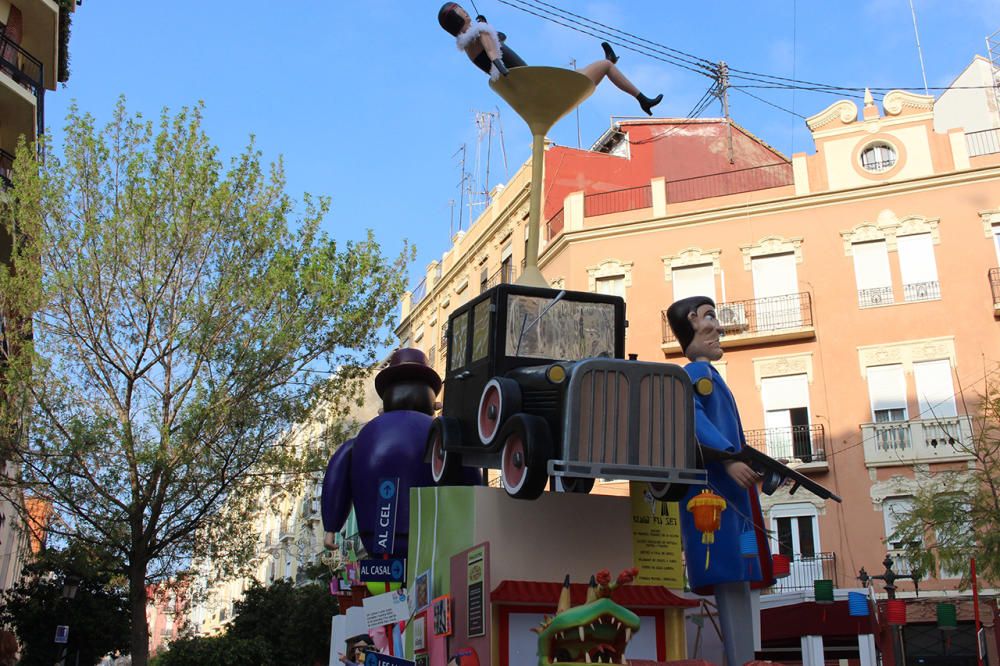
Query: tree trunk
x=137 y=600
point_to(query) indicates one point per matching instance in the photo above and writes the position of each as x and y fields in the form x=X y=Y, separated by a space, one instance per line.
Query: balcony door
x=887 y=392
x=786 y=417
x=795 y=534
x=775 y=288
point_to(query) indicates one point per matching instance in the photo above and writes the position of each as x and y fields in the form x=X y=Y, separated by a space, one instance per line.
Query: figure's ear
x=692 y=316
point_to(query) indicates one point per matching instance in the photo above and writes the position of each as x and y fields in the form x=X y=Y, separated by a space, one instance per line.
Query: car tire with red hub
x=446 y=465
x=500 y=400
x=527 y=448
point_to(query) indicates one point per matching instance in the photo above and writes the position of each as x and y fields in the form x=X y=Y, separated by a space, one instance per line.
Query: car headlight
x=556 y=374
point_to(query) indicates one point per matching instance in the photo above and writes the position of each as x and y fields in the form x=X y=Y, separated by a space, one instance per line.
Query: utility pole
x=724 y=96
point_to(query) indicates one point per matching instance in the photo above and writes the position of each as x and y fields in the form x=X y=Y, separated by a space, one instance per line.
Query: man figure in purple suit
x=389 y=446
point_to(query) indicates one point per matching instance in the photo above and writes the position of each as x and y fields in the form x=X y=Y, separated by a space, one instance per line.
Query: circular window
x=878 y=157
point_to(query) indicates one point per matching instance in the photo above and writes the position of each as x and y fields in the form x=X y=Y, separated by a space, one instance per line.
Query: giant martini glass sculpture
x=541 y=96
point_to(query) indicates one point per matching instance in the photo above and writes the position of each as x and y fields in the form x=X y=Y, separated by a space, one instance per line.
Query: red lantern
x=781 y=565
x=895 y=611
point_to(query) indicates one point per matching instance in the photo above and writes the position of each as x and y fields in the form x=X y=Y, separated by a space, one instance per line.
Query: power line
x=761 y=99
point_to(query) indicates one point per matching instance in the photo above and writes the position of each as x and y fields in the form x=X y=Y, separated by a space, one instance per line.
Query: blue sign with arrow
x=382 y=571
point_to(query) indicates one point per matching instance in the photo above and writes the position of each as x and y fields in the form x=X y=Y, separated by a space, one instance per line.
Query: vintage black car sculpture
x=537 y=386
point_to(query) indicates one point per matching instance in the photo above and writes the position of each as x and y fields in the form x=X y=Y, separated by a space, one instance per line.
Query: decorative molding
x=781 y=496
x=922 y=480
x=989 y=218
x=782 y=366
x=771 y=245
x=888 y=227
x=692 y=256
x=844 y=110
x=895 y=101
x=610 y=268
x=907 y=353
x=461 y=285
x=558 y=283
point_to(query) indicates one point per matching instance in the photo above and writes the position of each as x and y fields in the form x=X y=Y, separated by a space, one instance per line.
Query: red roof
x=547 y=594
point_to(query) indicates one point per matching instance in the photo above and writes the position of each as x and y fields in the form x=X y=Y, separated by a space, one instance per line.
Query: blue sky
x=369 y=101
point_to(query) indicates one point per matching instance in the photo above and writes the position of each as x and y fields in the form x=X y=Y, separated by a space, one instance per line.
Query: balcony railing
x=908 y=442
x=555 y=225
x=804 y=443
x=6 y=167
x=983 y=142
x=758 y=317
x=617 y=201
x=806 y=570
x=875 y=297
x=27 y=71
x=994 y=278
x=922 y=291
x=505 y=275
x=729 y=182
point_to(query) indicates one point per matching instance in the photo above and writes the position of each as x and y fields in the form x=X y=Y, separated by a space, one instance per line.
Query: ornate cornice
x=844 y=110
x=894 y=102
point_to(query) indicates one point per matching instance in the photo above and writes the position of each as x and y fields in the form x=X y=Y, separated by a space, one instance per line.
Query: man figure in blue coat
x=727 y=573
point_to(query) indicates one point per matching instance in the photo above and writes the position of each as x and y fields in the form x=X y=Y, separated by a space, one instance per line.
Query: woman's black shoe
x=609 y=53
x=647 y=104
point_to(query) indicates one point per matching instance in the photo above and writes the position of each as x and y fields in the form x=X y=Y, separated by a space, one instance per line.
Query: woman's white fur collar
x=472 y=34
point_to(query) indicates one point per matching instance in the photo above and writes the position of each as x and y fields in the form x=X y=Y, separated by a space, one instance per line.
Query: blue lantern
x=857 y=604
x=748 y=543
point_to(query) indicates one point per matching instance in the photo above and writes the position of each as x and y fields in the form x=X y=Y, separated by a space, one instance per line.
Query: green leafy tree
x=955 y=515
x=277 y=624
x=97 y=616
x=166 y=319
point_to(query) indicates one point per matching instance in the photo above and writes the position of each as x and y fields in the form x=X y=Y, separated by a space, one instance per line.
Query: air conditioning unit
x=732 y=316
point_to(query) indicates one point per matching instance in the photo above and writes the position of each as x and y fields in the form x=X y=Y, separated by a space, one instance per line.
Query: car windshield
x=563 y=330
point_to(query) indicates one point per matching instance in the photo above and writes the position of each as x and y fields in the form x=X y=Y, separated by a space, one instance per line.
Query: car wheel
x=572 y=484
x=668 y=492
x=527 y=447
x=500 y=400
x=446 y=466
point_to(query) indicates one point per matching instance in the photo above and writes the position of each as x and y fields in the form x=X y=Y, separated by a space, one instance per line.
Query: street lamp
x=71 y=583
x=889 y=578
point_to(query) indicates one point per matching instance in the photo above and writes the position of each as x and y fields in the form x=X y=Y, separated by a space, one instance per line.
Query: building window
x=432 y=355
x=887 y=391
x=484 y=279
x=694 y=281
x=871 y=272
x=795 y=528
x=894 y=510
x=878 y=157
x=935 y=391
x=786 y=417
x=918 y=268
x=612 y=285
x=775 y=288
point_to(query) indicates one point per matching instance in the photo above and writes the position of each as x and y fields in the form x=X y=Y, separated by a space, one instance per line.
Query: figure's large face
x=705 y=345
x=465 y=17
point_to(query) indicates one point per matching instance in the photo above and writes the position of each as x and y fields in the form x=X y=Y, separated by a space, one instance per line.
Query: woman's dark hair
x=450 y=20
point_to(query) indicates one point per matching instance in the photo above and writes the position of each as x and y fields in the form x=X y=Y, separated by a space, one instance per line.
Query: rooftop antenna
x=451 y=221
x=920 y=51
x=461 y=185
x=579 y=141
x=993 y=51
x=503 y=148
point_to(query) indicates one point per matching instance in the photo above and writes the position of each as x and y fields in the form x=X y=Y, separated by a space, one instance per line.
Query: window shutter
x=788 y=392
x=887 y=387
x=774 y=275
x=694 y=281
x=935 y=391
x=916 y=259
x=871 y=265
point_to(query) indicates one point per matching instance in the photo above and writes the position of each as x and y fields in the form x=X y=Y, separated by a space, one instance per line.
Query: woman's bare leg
x=596 y=71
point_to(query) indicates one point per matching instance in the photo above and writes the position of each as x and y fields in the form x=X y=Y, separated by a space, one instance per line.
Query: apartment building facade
x=33 y=59
x=857 y=285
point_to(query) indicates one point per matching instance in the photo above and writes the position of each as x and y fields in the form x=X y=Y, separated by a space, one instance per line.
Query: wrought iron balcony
x=994 y=277
x=875 y=297
x=918 y=441
x=617 y=201
x=418 y=292
x=27 y=71
x=505 y=275
x=805 y=570
x=806 y=443
x=754 y=320
x=922 y=291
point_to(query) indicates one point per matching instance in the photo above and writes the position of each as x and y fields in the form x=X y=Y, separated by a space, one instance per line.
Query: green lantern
x=947 y=617
x=823 y=591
